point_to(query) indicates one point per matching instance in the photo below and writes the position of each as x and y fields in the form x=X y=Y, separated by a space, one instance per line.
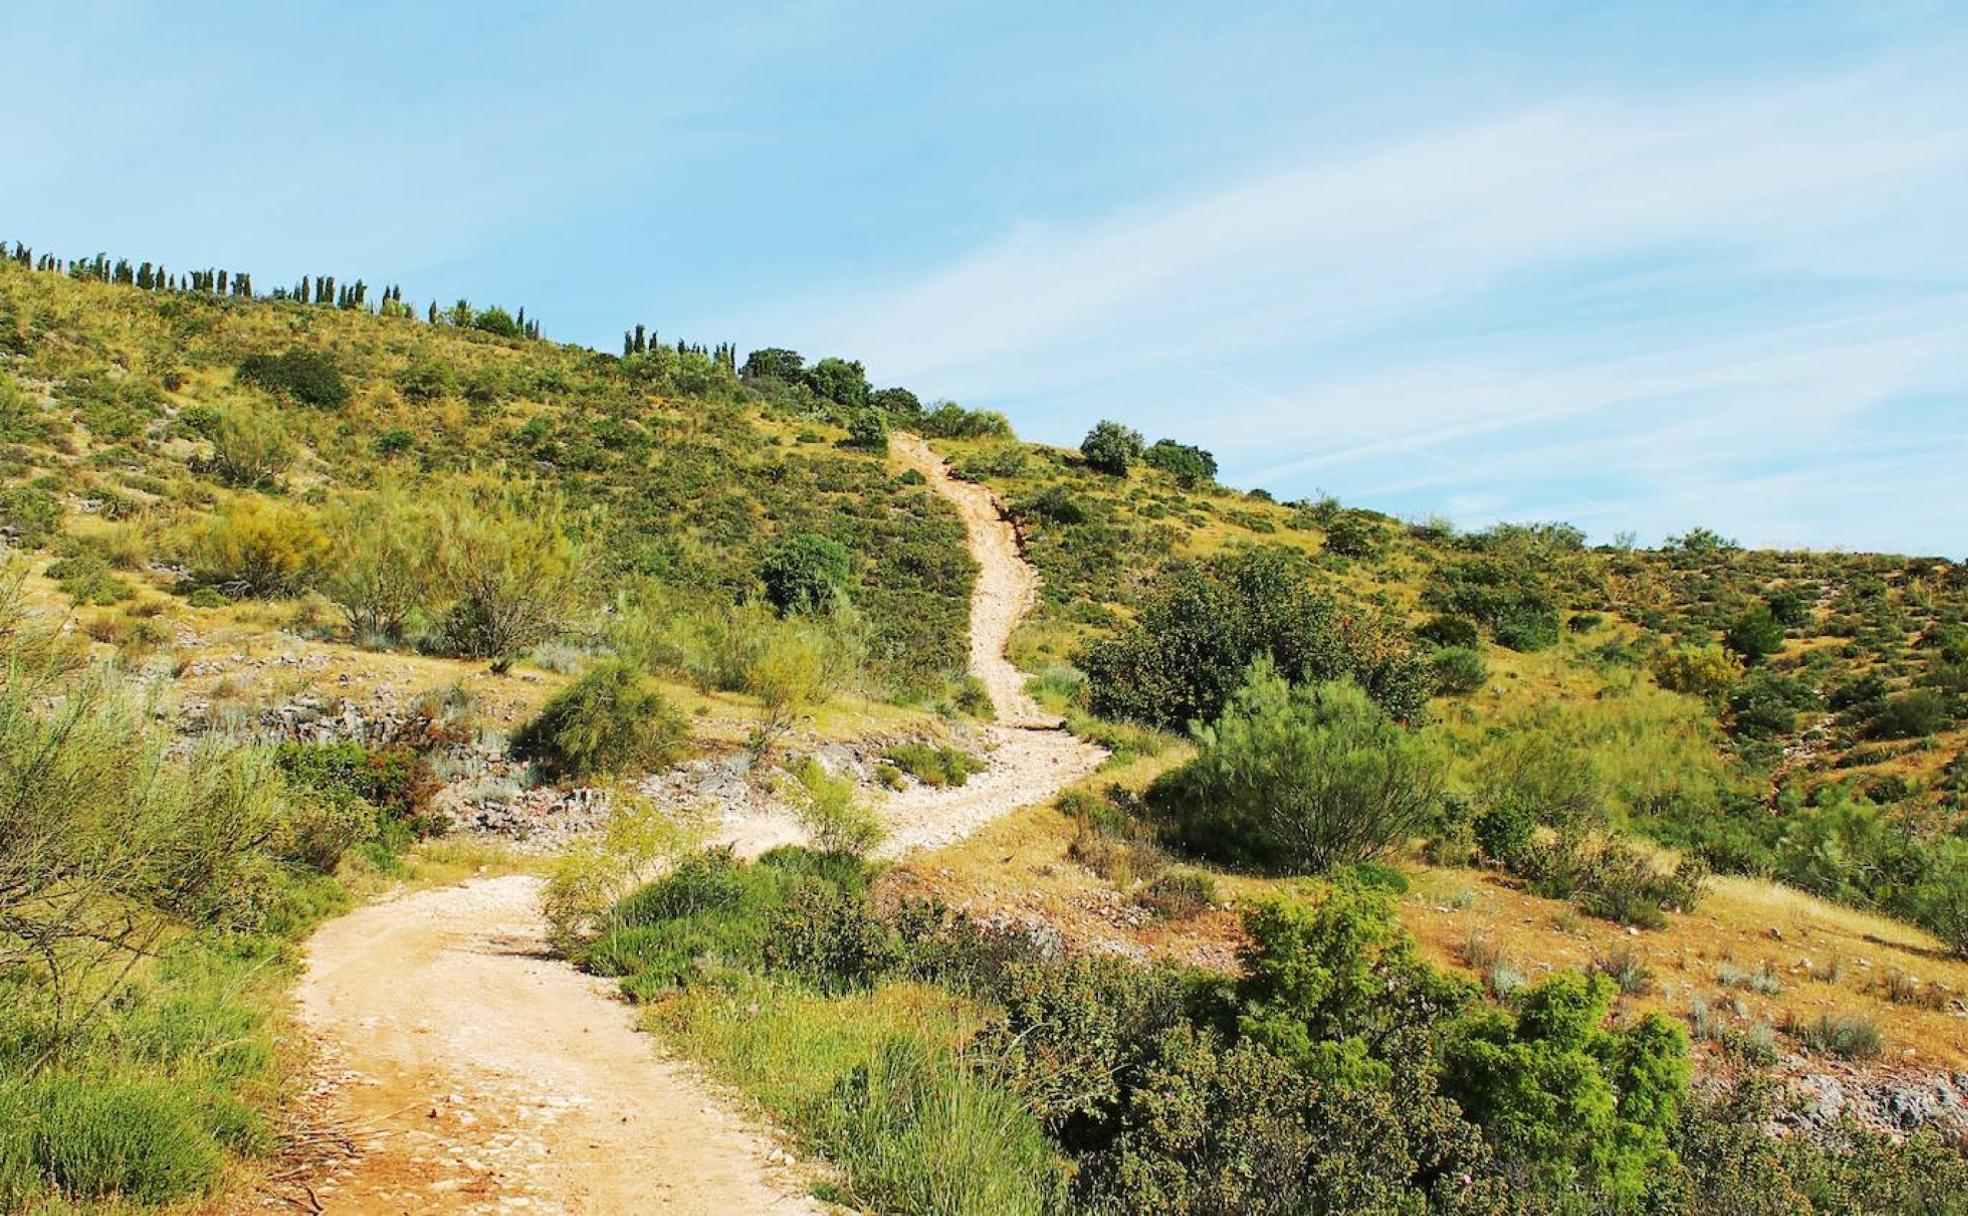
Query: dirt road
x=477 y=1074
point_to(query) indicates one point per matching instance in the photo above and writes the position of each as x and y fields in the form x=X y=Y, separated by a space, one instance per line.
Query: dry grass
x=1826 y=960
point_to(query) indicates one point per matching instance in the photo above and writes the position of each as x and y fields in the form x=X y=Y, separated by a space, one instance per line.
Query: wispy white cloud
x=1667 y=297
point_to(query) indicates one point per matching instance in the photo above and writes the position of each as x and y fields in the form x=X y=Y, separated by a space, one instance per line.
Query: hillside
x=381 y=600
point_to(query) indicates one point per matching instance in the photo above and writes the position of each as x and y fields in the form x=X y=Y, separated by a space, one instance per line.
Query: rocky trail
x=464 y=1069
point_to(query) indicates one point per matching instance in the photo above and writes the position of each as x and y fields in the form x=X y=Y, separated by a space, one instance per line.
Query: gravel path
x=476 y=1073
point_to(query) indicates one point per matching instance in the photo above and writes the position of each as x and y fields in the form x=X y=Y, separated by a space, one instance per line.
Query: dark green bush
x=1203 y=626
x=805 y=573
x=143 y=1141
x=830 y=936
x=1445 y=630
x=1459 y=670
x=1506 y=592
x=1191 y=466
x=1111 y=448
x=1572 y=1101
x=1354 y=534
x=308 y=376
x=1755 y=635
x=1911 y=715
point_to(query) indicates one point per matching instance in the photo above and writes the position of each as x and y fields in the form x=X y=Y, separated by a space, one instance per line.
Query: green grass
x=148 y=1103
x=876 y=1082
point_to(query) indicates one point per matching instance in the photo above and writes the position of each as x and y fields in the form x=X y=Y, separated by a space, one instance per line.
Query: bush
x=101 y=1140
x=428 y=380
x=380 y=570
x=1459 y=670
x=1702 y=671
x=508 y=567
x=1911 y=715
x=1301 y=779
x=1508 y=593
x=307 y=376
x=1203 y=625
x=1755 y=635
x=612 y=719
x=896 y=404
x=805 y=573
x=868 y=430
x=1189 y=465
x=1179 y=894
x=952 y=421
x=835 y=819
x=1849 y=1036
x=1447 y=631
x=1075 y=1035
x=829 y=936
x=250 y=449
x=1111 y=448
x=258 y=548
x=1503 y=830
x=1574 y=1102
x=29 y=515
x=936 y=766
x=1353 y=534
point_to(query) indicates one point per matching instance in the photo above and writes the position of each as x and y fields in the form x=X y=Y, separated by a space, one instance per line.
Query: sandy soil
x=468 y=1071
x=1007 y=585
x=476 y=1073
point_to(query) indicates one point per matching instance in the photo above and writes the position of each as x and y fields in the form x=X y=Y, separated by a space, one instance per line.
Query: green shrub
x=1449 y=631
x=1702 y=671
x=805 y=573
x=1503 y=830
x=1075 y=1034
x=1755 y=635
x=1301 y=778
x=1203 y=626
x=611 y=720
x=1508 y=593
x=309 y=377
x=1111 y=448
x=831 y=811
x=1911 y=715
x=1354 y=534
x=952 y=421
x=868 y=430
x=258 y=548
x=250 y=448
x=29 y=515
x=1849 y=1036
x=1179 y=894
x=506 y=563
x=1459 y=671
x=936 y=766
x=829 y=936
x=1189 y=465
x=1570 y=1100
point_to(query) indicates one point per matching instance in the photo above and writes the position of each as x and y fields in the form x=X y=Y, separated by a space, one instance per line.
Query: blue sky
x=1639 y=266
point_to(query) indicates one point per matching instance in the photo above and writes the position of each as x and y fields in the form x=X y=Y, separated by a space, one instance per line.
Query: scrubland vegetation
x=1306 y=702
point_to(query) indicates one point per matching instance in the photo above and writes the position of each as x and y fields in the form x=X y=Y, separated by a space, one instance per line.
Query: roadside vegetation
x=1328 y=728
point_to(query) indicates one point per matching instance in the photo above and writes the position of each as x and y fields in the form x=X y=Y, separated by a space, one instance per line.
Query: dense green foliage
x=610 y=720
x=1206 y=624
x=1301 y=778
x=1341 y=1072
